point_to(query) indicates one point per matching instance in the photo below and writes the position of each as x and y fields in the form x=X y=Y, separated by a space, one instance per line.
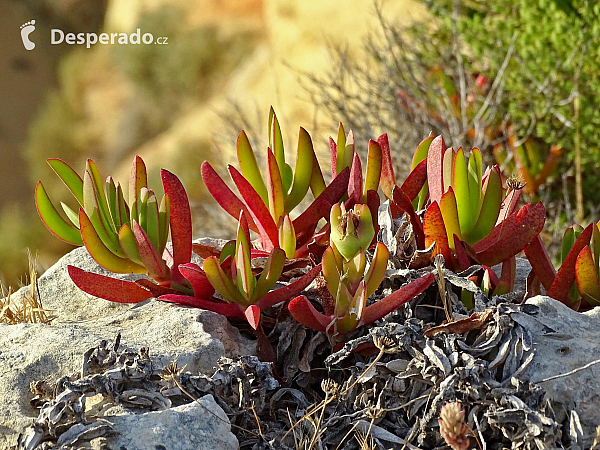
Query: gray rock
x=567 y=360
x=32 y=352
x=186 y=427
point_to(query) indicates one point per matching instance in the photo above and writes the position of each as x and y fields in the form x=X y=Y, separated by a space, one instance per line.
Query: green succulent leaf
x=244 y=277
x=92 y=169
x=68 y=176
x=287 y=236
x=276 y=139
x=376 y=272
x=586 y=276
x=304 y=171
x=55 y=223
x=270 y=273
x=490 y=207
x=274 y=188
x=103 y=256
x=449 y=212
x=71 y=215
x=129 y=244
x=153 y=222
x=92 y=210
x=331 y=271
x=164 y=215
x=222 y=284
x=249 y=166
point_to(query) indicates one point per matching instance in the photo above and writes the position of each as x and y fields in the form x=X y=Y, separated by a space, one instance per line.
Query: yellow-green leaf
x=55 y=223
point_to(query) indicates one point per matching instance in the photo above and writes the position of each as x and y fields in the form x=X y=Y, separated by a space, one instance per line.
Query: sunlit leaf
x=68 y=176
x=449 y=212
x=435 y=171
x=55 y=223
x=304 y=170
x=304 y=312
x=101 y=253
x=129 y=244
x=388 y=179
x=565 y=277
x=373 y=175
x=222 y=194
x=376 y=272
x=222 y=284
x=396 y=299
x=120 y=291
x=180 y=218
x=270 y=273
x=586 y=276
x=249 y=166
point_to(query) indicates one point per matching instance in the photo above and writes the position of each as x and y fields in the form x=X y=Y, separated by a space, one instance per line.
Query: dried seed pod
x=386 y=344
x=330 y=387
x=453 y=427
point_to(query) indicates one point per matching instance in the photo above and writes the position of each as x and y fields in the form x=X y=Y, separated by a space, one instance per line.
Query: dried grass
x=29 y=309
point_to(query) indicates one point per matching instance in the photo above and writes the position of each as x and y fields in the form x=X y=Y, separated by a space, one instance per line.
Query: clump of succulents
x=455 y=208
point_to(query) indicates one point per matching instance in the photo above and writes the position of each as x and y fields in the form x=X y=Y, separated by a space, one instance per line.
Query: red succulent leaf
x=252 y=314
x=157 y=268
x=180 y=218
x=373 y=201
x=225 y=309
x=506 y=283
x=258 y=210
x=197 y=278
x=388 y=179
x=565 y=277
x=306 y=222
x=290 y=290
x=222 y=194
x=333 y=149
x=120 y=291
x=435 y=168
x=155 y=289
x=509 y=205
x=540 y=262
x=396 y=299
x=435 y=231
x=403 y=202
x=512 y=235
x=415 y=180
x=355 y=183
x=305 y=313
x=461 y=254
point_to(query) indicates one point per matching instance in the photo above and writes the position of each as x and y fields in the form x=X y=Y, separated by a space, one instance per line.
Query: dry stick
x=442 y=287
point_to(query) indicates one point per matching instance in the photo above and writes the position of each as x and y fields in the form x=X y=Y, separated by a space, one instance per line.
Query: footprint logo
x=26 y=29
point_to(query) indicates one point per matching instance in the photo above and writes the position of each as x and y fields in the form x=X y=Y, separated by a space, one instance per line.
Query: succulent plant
x=231 y=276
x=269 y=202
x=348 y=280
x=471 y=217
x=578 y=275
x=123 y=237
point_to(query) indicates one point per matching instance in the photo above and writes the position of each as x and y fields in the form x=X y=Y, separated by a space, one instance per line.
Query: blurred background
x=518 y=78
